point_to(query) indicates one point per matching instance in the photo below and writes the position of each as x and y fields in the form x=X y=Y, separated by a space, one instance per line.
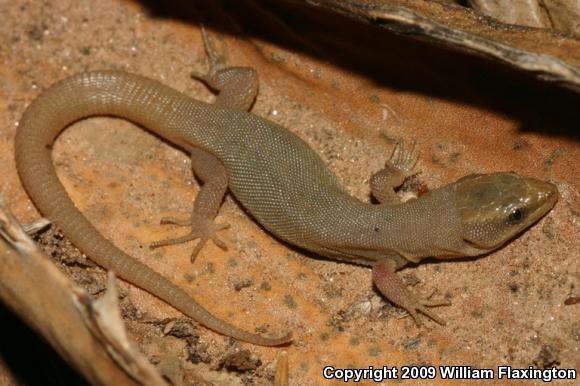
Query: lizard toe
x=202 y=228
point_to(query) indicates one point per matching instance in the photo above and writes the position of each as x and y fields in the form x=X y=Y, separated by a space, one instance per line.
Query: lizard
x=279 y=179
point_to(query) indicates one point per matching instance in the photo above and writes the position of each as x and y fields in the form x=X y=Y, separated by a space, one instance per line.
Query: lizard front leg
x=400 y=166
x=393 y=288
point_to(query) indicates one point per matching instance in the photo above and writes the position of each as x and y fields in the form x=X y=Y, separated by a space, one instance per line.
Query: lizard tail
x=104 y=93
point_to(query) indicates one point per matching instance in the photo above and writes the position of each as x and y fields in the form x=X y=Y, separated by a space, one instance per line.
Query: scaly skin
x=278 y=178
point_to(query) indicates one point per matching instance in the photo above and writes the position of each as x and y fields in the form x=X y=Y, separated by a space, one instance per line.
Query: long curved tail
x=120 y=94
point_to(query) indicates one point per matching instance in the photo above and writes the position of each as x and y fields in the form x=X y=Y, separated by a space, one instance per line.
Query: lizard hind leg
x=237 y=87
x=212 y=173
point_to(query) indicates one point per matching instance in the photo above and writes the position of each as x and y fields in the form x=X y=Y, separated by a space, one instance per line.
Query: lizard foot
x=217 y=61
x=414 y=306
x=401 y=166
x=202 y=228
x=393 y=288
x=405 y=159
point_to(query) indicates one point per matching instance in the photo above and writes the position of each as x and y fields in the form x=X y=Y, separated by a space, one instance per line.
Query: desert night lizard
x=279 y=179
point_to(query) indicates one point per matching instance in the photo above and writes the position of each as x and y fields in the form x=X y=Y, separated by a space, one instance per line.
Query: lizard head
x=493 y=208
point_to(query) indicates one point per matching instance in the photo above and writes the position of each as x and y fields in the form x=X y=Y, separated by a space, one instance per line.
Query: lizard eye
x=515 y=216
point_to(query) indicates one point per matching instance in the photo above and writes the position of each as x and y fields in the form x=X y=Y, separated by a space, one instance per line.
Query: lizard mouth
x=475 y=249
x=546 y=196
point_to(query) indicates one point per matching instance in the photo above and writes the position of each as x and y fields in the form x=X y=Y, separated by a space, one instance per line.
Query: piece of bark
x=521 y=12
x=546 y=54
x=564 y=15
x=89 y=334
x=561 y=15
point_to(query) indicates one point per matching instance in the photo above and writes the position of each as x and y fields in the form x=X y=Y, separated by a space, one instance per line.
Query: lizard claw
x=216 y=60
x=414 y=309
x=405 y=159
x=201 y=228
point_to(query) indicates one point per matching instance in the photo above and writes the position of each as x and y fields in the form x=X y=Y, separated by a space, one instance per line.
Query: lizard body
x=278 y=178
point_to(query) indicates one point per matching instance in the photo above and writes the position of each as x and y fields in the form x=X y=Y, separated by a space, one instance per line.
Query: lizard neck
x=407 y=232
x=428 y=226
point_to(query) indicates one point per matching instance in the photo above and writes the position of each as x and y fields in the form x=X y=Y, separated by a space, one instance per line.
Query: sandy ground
x=348 y=100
